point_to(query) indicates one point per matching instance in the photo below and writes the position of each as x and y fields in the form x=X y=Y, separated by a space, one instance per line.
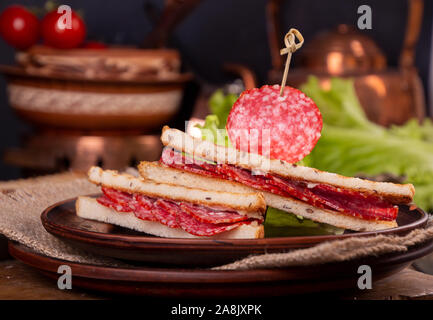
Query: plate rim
x=198 y=275
x=137 y=240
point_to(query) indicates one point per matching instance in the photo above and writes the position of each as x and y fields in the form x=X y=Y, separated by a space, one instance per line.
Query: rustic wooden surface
x=18 y=281
x=408 y=284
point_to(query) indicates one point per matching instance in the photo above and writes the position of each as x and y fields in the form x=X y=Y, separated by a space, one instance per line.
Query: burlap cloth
x=22 y=201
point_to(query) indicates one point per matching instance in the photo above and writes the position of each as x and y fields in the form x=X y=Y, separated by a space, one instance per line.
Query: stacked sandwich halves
x=201 y=189
x=172 y=210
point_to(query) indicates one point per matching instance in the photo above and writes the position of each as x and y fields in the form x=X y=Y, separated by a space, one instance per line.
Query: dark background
x=224 y=30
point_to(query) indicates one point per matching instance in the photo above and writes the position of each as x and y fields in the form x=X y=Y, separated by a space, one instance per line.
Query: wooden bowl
x=73 y=102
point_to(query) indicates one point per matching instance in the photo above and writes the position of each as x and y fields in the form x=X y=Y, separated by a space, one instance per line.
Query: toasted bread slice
x=251 y=204
x=331 y=217
x=89 y=208
x=164 y=174
x=178 y=140
x=161 y=173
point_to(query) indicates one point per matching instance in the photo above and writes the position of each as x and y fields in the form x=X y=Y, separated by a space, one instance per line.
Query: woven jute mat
x=22 y=202
x=21 y=205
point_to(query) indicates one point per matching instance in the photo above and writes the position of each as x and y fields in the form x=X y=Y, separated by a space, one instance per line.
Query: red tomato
x=55 y=35
x=19 y=27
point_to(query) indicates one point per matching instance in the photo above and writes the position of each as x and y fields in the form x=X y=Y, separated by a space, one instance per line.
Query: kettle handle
x=173 y=13
x=413 y=28
x=274 y=32
x=407 y=56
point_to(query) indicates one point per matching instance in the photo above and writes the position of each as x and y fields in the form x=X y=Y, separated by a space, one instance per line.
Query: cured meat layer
x=194 y=219
x=349 y=202
x=284 y=127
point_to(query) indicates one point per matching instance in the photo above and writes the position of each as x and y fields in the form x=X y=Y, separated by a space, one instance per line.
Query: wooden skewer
x=291 y=46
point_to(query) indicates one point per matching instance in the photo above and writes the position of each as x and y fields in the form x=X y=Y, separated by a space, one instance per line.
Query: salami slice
x=108 y=202
x=244 y=176
x=285 y=128
x=194 y=219
x=191 y=225
x=120 y=197
x=144 y=214
x=143 y=201
x=350 y=202
x=209 y=215
x=168 y=215
x=143 y=207
x=368 y=207
x=175 y=159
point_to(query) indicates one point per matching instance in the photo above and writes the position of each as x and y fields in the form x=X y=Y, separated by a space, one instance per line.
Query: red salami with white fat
x=143 y=208
x=191 y=225
x=368 y=207
x=285 y=128
x=175 y=159
x=194 y=219
x=350 y=202
x=108 y=202
x=168 y=215
x=120 y=197
x=208 y=215
x=116 y=200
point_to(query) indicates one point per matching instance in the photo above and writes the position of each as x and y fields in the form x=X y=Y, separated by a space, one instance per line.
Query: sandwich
x=344 y=202
x=172 y=210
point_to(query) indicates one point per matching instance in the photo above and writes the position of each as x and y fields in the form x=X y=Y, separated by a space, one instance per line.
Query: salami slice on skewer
x=280 y=127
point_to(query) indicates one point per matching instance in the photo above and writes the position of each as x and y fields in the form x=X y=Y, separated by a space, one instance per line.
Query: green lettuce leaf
x=279 y=218
x=339 y=105
x=351 y=144
x=220 y=106
x=211 y=131
x=414 y=130
x=352 y=152
x=280 y=223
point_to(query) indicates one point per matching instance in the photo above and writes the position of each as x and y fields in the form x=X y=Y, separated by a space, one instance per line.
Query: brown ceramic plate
x=205 y=283
x=113 y=241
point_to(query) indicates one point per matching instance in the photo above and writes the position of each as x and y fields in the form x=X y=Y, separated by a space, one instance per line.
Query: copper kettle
x=388 y=95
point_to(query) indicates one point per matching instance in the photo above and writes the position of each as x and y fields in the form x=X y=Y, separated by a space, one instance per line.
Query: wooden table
x=18 y=281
